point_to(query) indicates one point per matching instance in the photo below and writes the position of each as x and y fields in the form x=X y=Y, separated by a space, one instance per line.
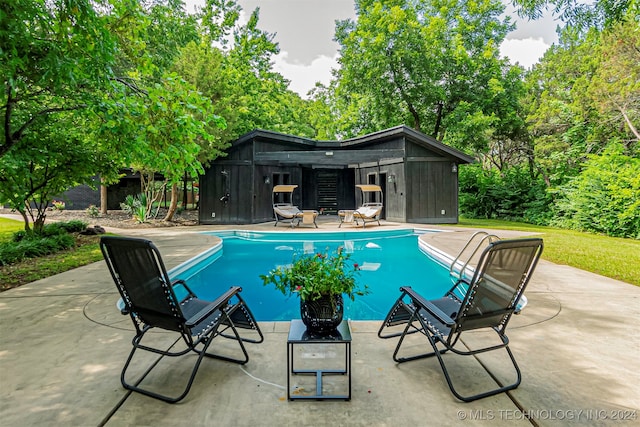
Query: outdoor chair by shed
x=486 y=302
x=369 y=211
x=154 y=302
x=286 y=211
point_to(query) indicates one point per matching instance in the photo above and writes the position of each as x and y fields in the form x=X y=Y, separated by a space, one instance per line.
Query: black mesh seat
x=487 y=301
x=150 y=299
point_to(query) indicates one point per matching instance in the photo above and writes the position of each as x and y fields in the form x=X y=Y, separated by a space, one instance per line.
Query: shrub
x=93 y=211
x=511 y=194
x=53 y=238
x=604 y=197
x=136 y=206
x=58 y=205
x=73 y=226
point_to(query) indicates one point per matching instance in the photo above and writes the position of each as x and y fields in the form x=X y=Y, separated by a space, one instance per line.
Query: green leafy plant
x=58 y=205
x=53 y=238
x=312 y=276
x=129 y=204
x=93 y=211
x=136 y=206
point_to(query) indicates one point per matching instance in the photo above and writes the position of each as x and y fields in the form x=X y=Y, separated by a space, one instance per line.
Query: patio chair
x=486 y=302
x=286 y=212
x=154 y=302
x=368 y=211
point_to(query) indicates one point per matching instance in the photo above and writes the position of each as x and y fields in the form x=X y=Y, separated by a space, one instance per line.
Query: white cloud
x=303 y=77
x=525 y=52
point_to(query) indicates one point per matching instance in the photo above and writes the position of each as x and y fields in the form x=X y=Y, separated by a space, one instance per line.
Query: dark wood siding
x=414 y=171
x=432 y=189
x=215 y=207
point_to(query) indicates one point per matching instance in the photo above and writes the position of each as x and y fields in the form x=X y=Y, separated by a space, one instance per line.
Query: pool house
x=418 y=176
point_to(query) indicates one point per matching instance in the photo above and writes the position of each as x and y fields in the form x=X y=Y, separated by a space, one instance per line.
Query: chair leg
x=136 y=387
x=242 y=318
x=236 y=336
x=500 y=389
x=408 y=331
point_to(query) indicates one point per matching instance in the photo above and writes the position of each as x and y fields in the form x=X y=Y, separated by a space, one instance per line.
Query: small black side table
x=298 y=334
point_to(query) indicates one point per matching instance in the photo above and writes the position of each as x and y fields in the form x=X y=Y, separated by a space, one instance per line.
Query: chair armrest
x=184 y=285
x=218 y=304
x=420 y=301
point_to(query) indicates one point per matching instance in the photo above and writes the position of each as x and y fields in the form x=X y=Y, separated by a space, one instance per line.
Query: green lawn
x=8 y=227
x=608 y=256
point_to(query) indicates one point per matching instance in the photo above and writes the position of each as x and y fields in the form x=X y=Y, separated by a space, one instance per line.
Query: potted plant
x=320 y=280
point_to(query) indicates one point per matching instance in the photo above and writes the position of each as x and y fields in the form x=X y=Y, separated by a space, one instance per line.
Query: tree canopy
x=425 y=64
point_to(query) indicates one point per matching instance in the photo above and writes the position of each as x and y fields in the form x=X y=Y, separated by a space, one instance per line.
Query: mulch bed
x=119 y=219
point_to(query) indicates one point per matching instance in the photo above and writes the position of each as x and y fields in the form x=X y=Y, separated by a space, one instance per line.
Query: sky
x=304 y=31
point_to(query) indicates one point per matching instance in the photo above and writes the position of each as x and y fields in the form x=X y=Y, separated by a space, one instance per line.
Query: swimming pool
x=388 y=260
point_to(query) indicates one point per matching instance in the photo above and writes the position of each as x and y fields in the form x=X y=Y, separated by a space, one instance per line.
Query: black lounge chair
x=487 y=301
x=149 y=297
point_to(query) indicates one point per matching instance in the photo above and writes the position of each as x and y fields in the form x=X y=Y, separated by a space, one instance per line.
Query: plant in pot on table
x=320 y=280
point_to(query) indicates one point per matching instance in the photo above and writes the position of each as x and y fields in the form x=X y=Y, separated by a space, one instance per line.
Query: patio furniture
x=369 y=211
x=486 y=302
x=287 y=212
x=155 y=302
x=319 y=347
x=346 y=216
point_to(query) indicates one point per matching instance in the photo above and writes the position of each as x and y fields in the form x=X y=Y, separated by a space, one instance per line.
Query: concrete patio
x=64 y=345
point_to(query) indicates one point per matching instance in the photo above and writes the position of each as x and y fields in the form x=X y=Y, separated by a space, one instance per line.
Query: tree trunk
x=103 y=197
x=173 y=204
x=440 y=106
x=27 y=227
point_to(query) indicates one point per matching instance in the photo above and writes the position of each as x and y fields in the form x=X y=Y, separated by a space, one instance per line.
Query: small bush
x=93 y=211
x=74 y=226
x=53 y=238
x=19 y=236
x=136 y=206
x=58 y=205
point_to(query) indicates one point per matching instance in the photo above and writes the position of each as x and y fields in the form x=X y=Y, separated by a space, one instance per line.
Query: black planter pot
x=322 y=315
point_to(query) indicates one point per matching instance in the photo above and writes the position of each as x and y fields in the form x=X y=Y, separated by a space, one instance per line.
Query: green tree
x=605 y=196
x=580 y=15
x=162 y=131
x=582 y=99
x=428 y=64
x=33 y=175
x=233 y=67
x=615 y=87
x=152 y=117
x=55 y=58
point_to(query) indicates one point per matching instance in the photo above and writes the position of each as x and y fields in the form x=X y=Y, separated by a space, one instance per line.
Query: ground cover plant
x=43 y=256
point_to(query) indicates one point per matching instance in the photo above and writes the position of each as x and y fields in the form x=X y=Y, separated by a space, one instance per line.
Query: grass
x=86 y=251
x=608 y=256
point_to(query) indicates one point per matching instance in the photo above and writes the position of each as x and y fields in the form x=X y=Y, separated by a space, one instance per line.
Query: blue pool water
x=388 y=260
